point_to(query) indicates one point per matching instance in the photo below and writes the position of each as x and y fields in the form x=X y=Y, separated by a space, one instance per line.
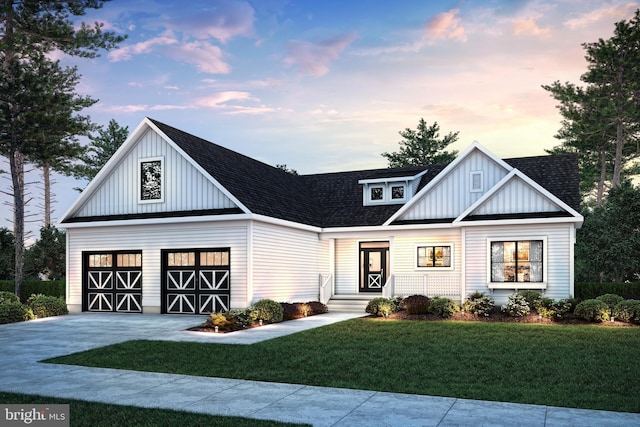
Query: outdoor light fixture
x=260 y=322
x=216 y=329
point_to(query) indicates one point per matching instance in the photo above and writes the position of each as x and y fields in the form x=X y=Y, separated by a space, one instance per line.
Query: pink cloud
x=125 y=53
x=610 y=14
x=314 y=58
x=206 y=57
x=218 y=99
x=446 y=26
x=223 y=22
x=529 y=27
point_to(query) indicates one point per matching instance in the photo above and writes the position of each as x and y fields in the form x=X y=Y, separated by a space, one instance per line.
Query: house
x=177 y=224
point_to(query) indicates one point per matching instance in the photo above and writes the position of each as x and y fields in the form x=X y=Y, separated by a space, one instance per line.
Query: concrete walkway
x=23 y=345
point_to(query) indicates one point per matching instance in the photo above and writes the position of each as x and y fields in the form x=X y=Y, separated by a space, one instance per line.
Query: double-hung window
x=517 y=261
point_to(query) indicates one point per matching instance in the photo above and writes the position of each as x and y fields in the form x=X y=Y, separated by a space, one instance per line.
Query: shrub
x=479 y=304
x=11 y=312
x=587 y=290
x=268 y=310
x=218 y=319
x=6 y=296
x=240 y=318
x=47 y=306
x=380 y=306
x=54 y=288
x=295 y=310
x=611 y=300
x=627 y=311
x=443 y=307
x=317 y=307
x=593 y=310
x=416 y=304
x=516 y=306
x=548 y=308
x=532 y=297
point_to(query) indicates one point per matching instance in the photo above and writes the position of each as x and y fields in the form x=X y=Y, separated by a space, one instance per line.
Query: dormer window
x=377 y=193
x=397 y=192
x=389 y=190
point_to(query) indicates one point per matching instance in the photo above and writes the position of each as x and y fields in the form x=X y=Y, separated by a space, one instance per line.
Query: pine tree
x=100 y=150
x=29 y=30
x=422 y=146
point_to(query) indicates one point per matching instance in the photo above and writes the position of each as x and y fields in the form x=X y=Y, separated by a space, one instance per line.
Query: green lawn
x=578 y=366
x=104 y=415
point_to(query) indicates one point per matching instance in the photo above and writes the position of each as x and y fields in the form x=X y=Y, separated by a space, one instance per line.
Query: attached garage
x=112 y=281
x=196 y=281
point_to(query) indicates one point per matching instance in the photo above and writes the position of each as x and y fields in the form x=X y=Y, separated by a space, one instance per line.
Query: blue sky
x=326 y=85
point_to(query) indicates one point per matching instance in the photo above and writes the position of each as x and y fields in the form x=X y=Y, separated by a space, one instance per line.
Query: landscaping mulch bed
x=501 y=317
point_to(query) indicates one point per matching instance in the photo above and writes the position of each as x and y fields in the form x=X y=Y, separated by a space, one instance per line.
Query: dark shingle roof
x=335 y=199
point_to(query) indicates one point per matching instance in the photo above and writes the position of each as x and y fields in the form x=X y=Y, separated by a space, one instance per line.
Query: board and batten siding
x=516 y=197
x=151 y=239
x=287 y=263
x=559 y=260
x=187 y=188
x=452 y=195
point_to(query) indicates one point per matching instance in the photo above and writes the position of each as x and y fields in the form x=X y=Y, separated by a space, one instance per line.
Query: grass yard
x=591 y=367
x=105 y=415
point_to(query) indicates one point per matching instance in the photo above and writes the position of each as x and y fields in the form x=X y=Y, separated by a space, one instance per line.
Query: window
x=397 y=192
x=100 y=260
x=433 y=256
x=377 y=193
x=517 y=261
x=477 y=184
x=129 y=260
x=214 y=258
x=151 y=180
x=181 y=259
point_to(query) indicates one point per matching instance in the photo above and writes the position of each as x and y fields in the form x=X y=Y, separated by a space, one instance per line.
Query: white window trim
x=384 y=194
x=518 y=285
x=471 y=177
x=162 y=179
x=422 y=244
x=404 y=192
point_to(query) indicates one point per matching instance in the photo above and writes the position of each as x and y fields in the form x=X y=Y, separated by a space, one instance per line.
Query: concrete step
x=349 y=303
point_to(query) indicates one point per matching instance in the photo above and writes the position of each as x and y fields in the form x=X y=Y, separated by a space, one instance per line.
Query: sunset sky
x=326 y=85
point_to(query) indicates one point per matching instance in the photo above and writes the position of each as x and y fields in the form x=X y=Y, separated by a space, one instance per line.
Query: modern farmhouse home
x=177 y=224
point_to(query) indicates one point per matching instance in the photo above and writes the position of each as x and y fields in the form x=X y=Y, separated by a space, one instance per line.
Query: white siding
x=346 y=277
x=151 y=239
x=558 y=256
x=185 y=188
x=287 y=263
x=452 y=195
x=516 y=197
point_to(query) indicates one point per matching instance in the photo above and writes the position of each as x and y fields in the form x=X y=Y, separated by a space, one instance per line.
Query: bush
x=416 y=304
x=317 y=307
x=532 y=297
x=516 y=306
x=53 y=288
x=548 y=308
x=479 y=304
x=443 y=307
x=611 y=300
x=380 y=306
x=268 y=310
x=46 y=306
x=11 y=312
x=295 y=310
x=240 y=318
x=593 y=310
x=627 y=311
x=6 y=296
x=588 y=290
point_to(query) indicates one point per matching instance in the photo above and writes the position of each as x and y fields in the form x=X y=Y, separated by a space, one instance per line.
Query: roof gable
x=116 y=190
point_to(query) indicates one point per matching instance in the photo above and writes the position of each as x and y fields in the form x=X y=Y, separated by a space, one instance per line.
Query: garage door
x=195 y=281
x=112 y=281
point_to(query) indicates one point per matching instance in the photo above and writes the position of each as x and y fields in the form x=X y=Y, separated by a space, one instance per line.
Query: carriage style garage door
x=112 y=281
x=195 y=281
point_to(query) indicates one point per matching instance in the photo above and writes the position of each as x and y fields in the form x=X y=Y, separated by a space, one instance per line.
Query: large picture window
x=432 y=256
x=517 y=261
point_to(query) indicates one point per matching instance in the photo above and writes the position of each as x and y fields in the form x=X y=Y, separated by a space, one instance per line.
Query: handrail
x=387 y=288
x=325 y=295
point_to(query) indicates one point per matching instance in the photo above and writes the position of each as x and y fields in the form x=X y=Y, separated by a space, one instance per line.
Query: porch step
x=349 y=303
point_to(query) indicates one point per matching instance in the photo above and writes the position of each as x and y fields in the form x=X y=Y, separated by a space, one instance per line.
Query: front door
x=374 y=266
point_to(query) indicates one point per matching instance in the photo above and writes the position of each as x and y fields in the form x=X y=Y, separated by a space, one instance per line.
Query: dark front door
x=374 y=266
